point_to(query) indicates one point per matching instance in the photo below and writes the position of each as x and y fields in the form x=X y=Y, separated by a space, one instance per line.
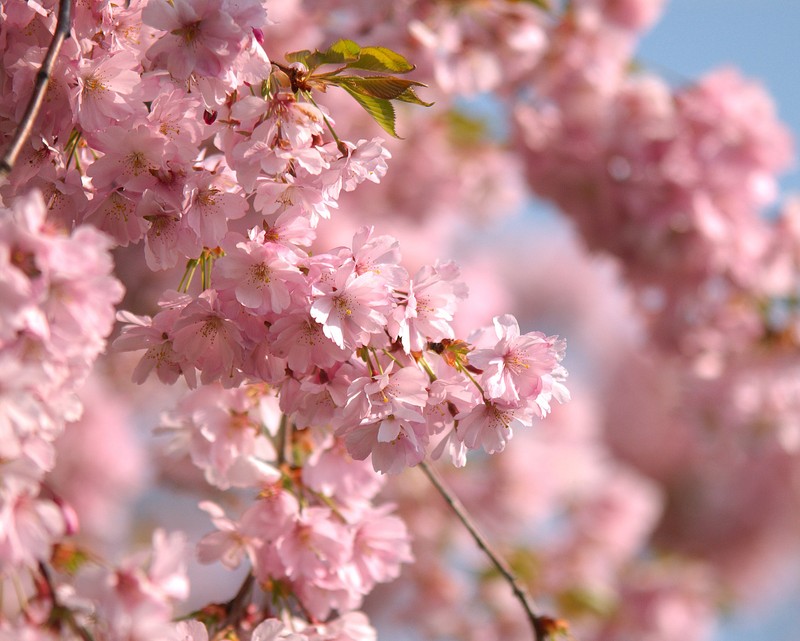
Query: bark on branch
x=63 y=26
x=539 y=623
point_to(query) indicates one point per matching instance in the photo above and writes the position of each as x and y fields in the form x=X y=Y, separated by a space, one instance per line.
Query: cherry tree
x=227 y=180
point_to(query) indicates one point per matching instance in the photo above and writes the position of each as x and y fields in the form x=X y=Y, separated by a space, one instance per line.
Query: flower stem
x=205 y=276
x=191 y=267
x=23 y=132
x=339 y=144
x=538 y=623
x=469 y=375
x=72 y=147
x=426 y=366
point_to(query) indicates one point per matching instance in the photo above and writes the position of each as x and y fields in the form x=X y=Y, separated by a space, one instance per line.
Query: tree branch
x=237 y=606
x=540 y=624
x=23 y=132
x=59 y=613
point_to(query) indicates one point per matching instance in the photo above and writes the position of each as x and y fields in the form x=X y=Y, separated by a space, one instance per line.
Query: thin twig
x=538 y=623
x=237 y=606
x=284 y=446
x=63 y=26
x=60 y=612
x=339 y=144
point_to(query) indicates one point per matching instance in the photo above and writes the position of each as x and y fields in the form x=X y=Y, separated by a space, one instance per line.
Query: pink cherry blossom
x=395 y=445
x=302 y=342
x=351 y=626
x=222 y=429
x=168 y=237
x=136 y=598
x=366 y=160
x=514 y=367
x=401 y=393
x=333 y=472
x=189 y=631
x=316 y=546
x=201 y=37
x=378 y=254
x=105 y=92
x=116 y=215
x=275 y=630
x=427 y=312
x=131 y=158
x=154 y=335
x=28 y=527
x=204 y=336
x=491 y=426
x=234 y=540
x=381 y=544
x=214 y=199
x=317 y=400
x=261 y=274
x=355 y=307
x=290 y=197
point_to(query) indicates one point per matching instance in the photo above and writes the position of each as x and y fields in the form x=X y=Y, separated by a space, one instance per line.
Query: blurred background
x=760 y=38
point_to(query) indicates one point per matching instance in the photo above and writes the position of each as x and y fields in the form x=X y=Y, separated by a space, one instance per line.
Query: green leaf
x=381 y=59
x=386 y=87
x=340 y=52
x=298 y=56
x=381 y=110
x=409 y=95
x=542 y=4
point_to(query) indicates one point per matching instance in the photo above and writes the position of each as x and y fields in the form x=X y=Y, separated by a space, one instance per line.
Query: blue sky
x=760 y=37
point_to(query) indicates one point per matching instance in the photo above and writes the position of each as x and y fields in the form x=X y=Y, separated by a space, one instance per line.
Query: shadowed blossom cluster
x=58 y=298
x=351 y=343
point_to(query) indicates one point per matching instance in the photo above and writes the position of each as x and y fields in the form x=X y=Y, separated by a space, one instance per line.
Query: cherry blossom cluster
x=314 y=533
x=350 y=626
x=477 y=48
x=701 y=161
x=673 y=182
x=134 y=127
x=166 y=124
x=354 y=344
x=684 y=172
x=134 y=599
x=58 y=298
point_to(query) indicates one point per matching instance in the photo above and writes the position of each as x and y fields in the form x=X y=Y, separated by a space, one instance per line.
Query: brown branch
x=60 y=613
x=237 y=606
x=284 y=445
x=23 y=132
x=539 y=623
